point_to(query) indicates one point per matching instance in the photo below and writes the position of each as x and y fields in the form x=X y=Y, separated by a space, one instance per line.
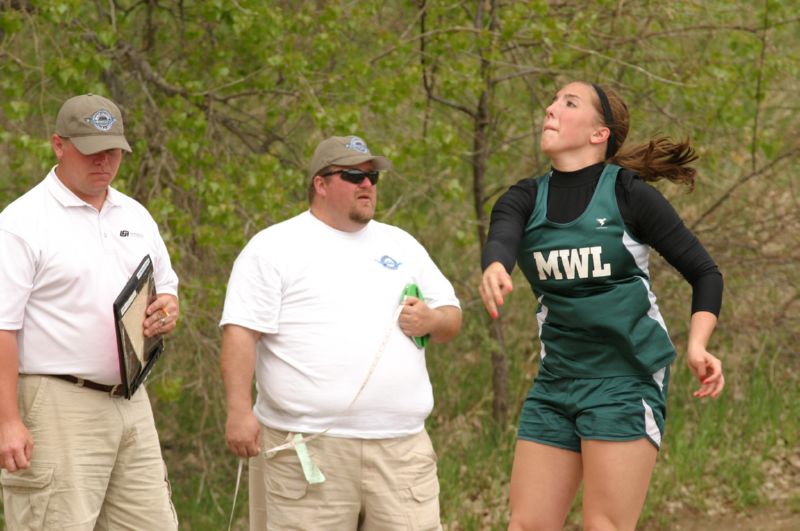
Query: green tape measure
x=412 y=290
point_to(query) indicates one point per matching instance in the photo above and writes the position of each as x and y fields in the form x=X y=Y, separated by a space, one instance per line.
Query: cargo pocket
x=284 y=478
x=426 y=495
x=26 y=495
x=286 y=490
x=289 y=487
x=32 y=391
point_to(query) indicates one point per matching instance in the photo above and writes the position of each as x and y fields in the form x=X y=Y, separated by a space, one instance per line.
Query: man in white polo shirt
x=73 y=453
x=315 y=308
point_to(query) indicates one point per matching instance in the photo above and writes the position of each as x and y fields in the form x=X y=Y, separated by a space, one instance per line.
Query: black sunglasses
x=355 y=176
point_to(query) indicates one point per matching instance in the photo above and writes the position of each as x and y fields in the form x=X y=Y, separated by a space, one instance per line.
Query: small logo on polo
x=356 y=144
x=102 y=120
x=124 y=233
x=601 y=223
x=388 y=262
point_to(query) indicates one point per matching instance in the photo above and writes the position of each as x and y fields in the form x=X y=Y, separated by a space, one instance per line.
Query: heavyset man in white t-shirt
x=73 y=453
x=314 y=308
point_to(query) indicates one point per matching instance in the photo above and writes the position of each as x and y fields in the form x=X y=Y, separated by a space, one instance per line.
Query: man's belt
x=112 y=390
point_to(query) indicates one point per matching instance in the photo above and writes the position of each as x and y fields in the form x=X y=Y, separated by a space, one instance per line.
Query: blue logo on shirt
x=388 y=262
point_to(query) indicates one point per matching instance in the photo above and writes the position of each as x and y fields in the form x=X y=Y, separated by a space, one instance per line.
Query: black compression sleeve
x=508 y=219
x=648 y=215
x=653 y=220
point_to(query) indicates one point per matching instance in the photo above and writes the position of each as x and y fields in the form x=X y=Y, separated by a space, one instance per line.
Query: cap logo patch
x=356 y=144
x=102 y=120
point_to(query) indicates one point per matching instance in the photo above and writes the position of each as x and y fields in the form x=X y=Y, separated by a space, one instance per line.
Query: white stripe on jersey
x=641 y=254
x=541 y=317
x=658 y=376
x=650 y=425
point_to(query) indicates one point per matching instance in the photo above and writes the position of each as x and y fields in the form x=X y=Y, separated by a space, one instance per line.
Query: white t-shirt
x=62 y=264
x=324 y=301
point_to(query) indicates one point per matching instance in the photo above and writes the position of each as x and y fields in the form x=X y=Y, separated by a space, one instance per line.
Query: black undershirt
x=648 y=216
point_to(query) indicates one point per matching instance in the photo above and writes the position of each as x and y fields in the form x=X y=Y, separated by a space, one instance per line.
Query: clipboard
x=137 y=353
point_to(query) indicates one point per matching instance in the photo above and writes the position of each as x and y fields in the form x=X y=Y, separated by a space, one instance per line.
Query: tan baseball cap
x=344 y=151
x=92 y=123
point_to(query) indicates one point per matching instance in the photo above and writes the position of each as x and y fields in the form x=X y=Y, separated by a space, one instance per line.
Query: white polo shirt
x=324 y=301
x=62 y=264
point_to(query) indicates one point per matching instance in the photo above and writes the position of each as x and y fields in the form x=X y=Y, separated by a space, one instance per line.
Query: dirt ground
x=766 y=519
x=781 y=489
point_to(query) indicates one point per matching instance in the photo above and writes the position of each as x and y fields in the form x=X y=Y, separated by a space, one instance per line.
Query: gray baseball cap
x=344 y=151
x=92 y=123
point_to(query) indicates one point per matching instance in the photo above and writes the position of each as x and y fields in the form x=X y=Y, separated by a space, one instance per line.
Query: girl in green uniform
x=581 y=235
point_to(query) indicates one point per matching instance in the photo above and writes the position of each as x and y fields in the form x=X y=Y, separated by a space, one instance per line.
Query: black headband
x=608 y=116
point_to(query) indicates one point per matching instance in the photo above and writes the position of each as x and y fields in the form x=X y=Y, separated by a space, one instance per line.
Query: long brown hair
x=658 y=158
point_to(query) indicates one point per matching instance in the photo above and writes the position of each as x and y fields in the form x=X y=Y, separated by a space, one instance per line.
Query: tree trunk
x=480 y=155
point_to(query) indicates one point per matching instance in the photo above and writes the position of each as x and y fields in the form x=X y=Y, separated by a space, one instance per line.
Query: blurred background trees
x=224 y=102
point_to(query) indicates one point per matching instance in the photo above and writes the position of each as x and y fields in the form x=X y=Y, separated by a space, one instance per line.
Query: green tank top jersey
x=597 y=314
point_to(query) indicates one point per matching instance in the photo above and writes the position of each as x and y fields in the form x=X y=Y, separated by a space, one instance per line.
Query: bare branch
x=630 y=65
x=428 y=81
x=759 y=79
x=452 y=104
x=147 y=71
x=423 y=35
x=702 y=28
x=725 y=196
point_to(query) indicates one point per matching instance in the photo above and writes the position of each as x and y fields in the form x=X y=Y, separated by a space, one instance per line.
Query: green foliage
x=224 y=102
x=719 y=454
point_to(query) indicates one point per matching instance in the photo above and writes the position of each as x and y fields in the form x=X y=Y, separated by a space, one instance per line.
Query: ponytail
x=659 y=158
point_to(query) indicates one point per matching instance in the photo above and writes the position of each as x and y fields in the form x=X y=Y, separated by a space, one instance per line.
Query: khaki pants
x=370 y=485
x=96 y=462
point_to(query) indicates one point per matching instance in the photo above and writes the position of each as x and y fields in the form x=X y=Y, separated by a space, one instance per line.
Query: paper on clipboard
x=137 y=353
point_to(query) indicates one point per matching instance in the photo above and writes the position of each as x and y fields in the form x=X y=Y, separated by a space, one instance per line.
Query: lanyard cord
x=292 y=442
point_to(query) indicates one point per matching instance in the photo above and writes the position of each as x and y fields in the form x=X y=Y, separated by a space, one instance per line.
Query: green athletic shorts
x=562 y=411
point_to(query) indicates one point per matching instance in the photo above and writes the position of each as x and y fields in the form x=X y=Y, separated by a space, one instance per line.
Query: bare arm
x=238 y=362
x=705 y=366
x=16 y=443
x=442 y=323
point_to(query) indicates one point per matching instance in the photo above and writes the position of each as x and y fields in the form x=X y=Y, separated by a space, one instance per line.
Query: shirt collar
x=67 y=198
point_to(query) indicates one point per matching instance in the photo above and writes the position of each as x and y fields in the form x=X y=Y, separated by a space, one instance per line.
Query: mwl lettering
x=571 y=263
